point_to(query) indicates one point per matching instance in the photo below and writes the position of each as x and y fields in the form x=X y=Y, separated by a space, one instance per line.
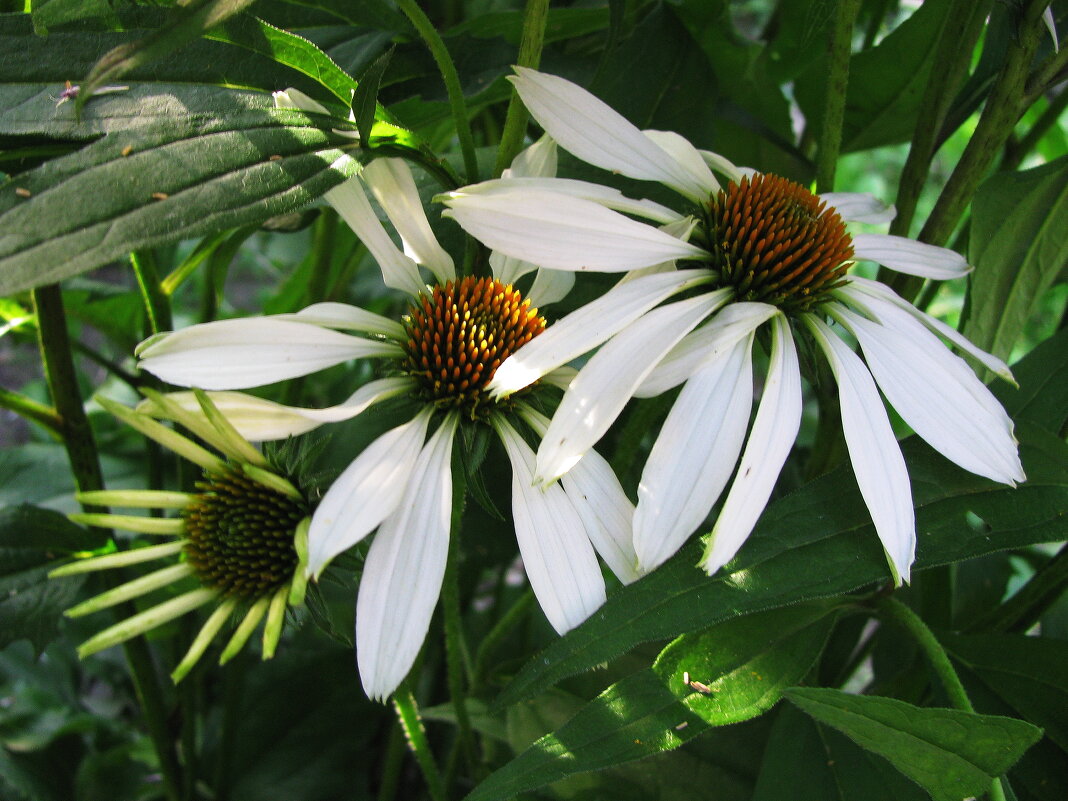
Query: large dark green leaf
x=1018 y=248
x=950 y=753
x=192 y=175
x=33 y=541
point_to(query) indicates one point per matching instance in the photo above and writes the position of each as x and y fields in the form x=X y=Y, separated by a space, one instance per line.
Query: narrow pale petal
x=261 y=420
x=366 y=493
x=939 y=396
x=390 y=181
x=910 y=257
x=168 y=438
x=133 y=556
x=583 y=190
x=608 y=380
x=136 y=499
x=563 y=232
x=348 y=318
x=706 y=344
x=592 y=131
x=147 y=620
x=404 y=569
x=599 y=499
x=859 y=207
x=203 y=639
x=244 y=629
x=537 y=161
x=873 y=450
x=775 y=428
x=251 y=352
x=557 y=555
x=589 y=326
x=694 y=455
x=398 y=270
x=276 y=615
x=132 y=589
x=889 y=306
x=142 y=524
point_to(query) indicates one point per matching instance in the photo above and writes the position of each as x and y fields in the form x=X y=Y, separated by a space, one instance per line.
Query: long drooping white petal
x=398 y=270
x=694 y=455
x=706 y=344
x=873 y=450
x=583 y=190
x=775 y=428
x=605 y=384
x=563 y=232
x=251 y=352
x=599 y=499
x=391 y=182
x=890 y=308
x=910 y=257
x=557 y=555
x=859 y=207
x=348 y=318
x=262 y=420
x=404 y=569
x=595 y=133
x=589 y=326
x=365 y=494
x=939 y=396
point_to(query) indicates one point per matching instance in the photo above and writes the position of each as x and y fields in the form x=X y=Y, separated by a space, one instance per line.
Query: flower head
x=768 y=253
x=443 y=355
x=239 y=540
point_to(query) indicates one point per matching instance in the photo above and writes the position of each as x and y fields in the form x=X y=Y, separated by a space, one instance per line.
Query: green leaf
x=156 y=184
x=1018 y=248
x=59 y=12
x=32 y=542
x=190 y=19
x=365 y=98
x=950 y=753
x=1043 y=394
x=1028 y=673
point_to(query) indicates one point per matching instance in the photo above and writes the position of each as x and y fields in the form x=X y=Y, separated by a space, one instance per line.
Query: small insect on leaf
x=126 y=151
x=22 y=192
x=160 y=195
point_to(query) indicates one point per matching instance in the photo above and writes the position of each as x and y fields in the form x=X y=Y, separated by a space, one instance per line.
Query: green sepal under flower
x=240 y=538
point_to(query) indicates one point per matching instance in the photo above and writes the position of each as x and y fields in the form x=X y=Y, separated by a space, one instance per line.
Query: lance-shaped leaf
x=950 y=753
x=187 y=177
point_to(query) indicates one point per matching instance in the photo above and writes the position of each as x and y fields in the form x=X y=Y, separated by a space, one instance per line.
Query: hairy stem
x=834 y=102
x=408 y=715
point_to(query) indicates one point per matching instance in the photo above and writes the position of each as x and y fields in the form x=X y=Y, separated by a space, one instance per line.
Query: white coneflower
x=444 y=354
x=239 y=540
x=769 y=252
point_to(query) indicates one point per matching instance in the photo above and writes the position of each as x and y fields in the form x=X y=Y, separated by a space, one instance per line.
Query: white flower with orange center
x=766 y=252
x=443 y=355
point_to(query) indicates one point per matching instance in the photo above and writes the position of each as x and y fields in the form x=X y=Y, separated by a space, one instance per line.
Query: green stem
x=503 y=627
x=33 y=411
x=157 y=305
x=323 y=239
x=828 y=446
x=1015 y=151
x=112 y=367
x=447 y=68
x=515 y=121
x=408 y=715
x=841 y=46
x=85 y=468
x=391 y=764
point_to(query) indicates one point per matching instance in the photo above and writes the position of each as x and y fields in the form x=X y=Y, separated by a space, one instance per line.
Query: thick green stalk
x=447 y=68
x=33 y=411
x=157 y=305
x=85 y=467
x=515 y=121
x=841 y=47
x=408 y=715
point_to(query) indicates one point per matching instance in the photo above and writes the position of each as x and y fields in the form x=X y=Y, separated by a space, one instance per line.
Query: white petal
x=393 y=186
x=584 y=190
x=910 y=257
x=261 y=420
x=563 y=232
x=859 y=207
x=889 y=306
x=557 y=555
x=707 y=343
x=873 y=450
x=724 y=166
x=608 y=380
x=775 y=428
x=1047 y=17
x=251 y=352
x=508 y=270
x=294 y=98
x=537 y=161
x=550 y=286
x=599 y=499
x=398 y=271
x=593 y=132
x=589 y=326
x=694 y=455
x=404 y=569
x=689 y=158
x=939 y=396
x=347 y=318
x=366 y=493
